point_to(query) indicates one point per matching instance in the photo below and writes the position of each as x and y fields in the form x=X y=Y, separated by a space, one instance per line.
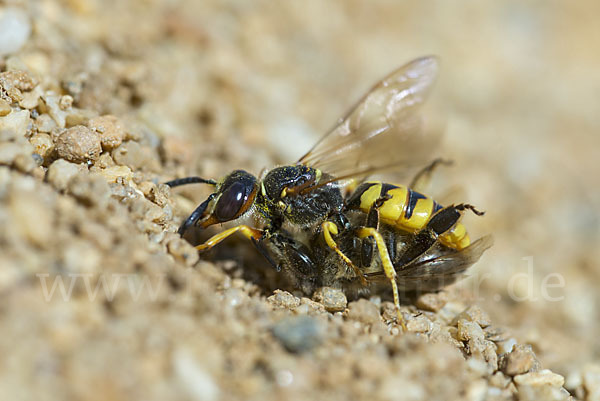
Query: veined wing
x=432 y=272
x=385 y=129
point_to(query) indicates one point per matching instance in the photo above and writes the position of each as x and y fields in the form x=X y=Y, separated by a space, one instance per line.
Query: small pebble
x=419 y=324
x=142 y=208
x=25 y=163
x=110 y=130
x=17 y=78
x=60 y=173
x=32 y=217
x=499 y=380
x=44 y=124
x=432 y=302
x=51 y=101
x=134 y=156
x=364 y=311
x=89 y=189
x=469 y=331
x=542 y=385
x=541 y=378
x=115 y=172
x=105 y=161
x=15 y=29
x=14 y=125
x=474 y=314
x=4 y=108
x=284 y=299
x=10 y=150
x=333 y=299
x=65 y=102
x=31 y=99
x=183 y=251
x=298 y=333
x=520 y=360
x=78 y=144
x=42 y=145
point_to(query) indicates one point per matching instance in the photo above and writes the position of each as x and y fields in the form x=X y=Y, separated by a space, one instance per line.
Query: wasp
x=323 y=229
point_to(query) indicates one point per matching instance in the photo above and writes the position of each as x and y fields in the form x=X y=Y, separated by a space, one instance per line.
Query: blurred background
x=235 y=84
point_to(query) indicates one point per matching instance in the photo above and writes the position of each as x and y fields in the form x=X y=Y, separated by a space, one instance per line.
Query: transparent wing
x=384 y=130
x=436 y=268
x=435 y=272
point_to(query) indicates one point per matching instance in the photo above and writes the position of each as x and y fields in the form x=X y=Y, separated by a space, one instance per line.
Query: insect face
x=234 y=195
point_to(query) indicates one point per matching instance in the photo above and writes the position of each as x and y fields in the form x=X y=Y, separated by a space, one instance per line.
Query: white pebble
x=14 y=125
x=14 y=30
x=193 y=378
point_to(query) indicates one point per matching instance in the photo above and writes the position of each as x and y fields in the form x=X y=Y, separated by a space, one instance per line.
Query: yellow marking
x=281 y=205
x=318 y=174
x=392 y=209
x=248 y=232
x=464 y=242
x=388 y=266
x=456 y=237
x=368 y=198
x=353 y=183
x=420 y=216
x=283 y=192
x=329 y=228
x=263 y=191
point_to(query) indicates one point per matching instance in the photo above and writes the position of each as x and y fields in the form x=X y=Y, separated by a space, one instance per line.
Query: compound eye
x=231 y=202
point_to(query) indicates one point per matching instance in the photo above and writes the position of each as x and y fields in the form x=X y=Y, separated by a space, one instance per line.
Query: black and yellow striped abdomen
x=405 y=209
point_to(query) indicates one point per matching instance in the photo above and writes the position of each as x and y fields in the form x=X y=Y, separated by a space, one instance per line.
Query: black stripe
x=385 y=188
x=413 y=198
x=444 y=220
x=353 y=201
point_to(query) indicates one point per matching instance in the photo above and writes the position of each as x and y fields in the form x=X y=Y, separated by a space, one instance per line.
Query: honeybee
x=322 y=232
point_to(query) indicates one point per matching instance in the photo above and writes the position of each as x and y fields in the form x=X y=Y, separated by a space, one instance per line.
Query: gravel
x=78 y=145
x=333 y=299
x=101 y=297
x=298 y=333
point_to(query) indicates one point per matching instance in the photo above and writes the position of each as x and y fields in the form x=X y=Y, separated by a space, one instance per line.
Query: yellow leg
x=388 y=266
x=330 y=228
x=248 y=232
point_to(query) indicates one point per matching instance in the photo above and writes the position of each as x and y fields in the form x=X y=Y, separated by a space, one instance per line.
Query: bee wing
x=385 y=129
x=436 y=270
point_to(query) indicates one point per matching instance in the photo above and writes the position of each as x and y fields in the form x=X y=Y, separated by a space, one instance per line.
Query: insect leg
x=369 y=242
x=388 y=266
x=297 y=260
x=249 y=232
x=421 y=181
x=262 y=249
x=330 y=228
x=439 y=224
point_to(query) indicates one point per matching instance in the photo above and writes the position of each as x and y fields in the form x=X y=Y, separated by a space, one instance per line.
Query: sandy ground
x=102 y=101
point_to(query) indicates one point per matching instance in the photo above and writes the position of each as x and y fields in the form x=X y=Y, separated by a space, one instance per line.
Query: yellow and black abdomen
x=405 y=209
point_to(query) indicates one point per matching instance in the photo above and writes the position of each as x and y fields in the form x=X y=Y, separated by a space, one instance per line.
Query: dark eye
x=231 y=201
